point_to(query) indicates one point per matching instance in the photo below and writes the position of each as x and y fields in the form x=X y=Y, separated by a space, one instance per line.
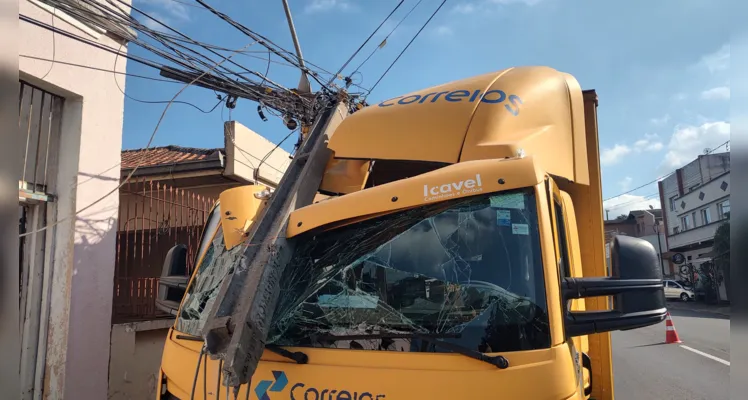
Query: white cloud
x=443 y=30
x=718 y=93
x=717 y=61
x=464 y=8
x=626 y=203
x=625 y=183
x=326 y=5
x=172 y=11
x=661 y=120
x=650 y=143
x=150 y=23
x=614 y=155
x=485 y=5
x=689 y=141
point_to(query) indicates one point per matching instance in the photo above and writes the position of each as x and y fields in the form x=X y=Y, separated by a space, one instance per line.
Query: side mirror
x=636 y=287
x=174 y=280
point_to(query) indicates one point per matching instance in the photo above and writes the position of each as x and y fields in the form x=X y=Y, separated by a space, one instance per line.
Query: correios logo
x=277 y=385
x=301 y=391
x=453 y=189
x=495 y=96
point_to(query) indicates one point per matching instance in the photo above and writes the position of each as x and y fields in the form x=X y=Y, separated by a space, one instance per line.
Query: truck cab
x=460 y=255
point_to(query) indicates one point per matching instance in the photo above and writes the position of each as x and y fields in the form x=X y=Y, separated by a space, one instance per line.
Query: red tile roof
x=166 y=155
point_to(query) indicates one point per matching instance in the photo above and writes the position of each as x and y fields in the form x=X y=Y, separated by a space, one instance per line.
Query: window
x=672 y=203
x=471 y=267
x=723 y=209
x=685 y=222
x=676 y=229
x=705 y=217
x=693 y=219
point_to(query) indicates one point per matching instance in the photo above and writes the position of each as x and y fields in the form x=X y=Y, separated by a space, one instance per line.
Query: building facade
x=70 y=118
x=695 y=201
x=643 y=224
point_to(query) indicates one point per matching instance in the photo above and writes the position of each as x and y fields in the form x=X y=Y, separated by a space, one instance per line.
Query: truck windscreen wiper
x=297 y=356
x=497 y=361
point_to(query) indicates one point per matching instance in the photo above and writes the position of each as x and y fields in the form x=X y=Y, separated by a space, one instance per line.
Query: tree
x=721 y=251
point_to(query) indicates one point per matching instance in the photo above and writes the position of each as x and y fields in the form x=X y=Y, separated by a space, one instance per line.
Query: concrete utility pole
x=238 y=324
x=304 y=85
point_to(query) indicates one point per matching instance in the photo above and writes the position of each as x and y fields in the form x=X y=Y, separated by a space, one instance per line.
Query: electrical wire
x=365 y=42
x=197 y=372
x=98 y=69
x=153 y=135
x=116 y=58
x=661 y=177
x=407 y=46
x=54 y=45
x=257 y=170
x=384 y=41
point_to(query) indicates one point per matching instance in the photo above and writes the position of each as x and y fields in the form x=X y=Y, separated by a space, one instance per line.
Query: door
x=568 y=258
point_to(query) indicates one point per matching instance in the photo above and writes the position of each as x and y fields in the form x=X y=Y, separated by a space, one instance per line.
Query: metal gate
x=153 y=217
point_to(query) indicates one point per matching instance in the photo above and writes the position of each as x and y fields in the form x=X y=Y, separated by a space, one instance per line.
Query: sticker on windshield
x=509 y=200
x=520 y=229
x=504 y=217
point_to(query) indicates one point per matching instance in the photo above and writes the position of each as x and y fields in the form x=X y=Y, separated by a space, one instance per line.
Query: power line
x=384 y=41
x=661 y=177
x=406 y=47
x=98 y=69
x=150 y=141
x=364 y=43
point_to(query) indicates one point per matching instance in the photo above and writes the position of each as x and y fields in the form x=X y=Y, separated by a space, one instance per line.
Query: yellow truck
x=460 y=255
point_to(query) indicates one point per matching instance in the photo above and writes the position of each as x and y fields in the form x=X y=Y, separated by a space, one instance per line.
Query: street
x=646 y=368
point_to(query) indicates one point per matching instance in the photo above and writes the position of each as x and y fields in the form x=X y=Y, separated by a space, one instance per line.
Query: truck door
x=568 y=259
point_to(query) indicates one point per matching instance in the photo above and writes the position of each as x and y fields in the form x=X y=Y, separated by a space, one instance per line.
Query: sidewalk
x=699 y=306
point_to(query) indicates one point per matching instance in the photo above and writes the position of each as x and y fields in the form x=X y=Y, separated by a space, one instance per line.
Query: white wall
x=79 y=301
x=245 y=149
x=699 y=231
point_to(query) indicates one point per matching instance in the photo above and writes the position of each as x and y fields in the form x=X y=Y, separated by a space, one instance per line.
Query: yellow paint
x=239 y=207
x=538 y=374
x=471 y=177
x=555 y=132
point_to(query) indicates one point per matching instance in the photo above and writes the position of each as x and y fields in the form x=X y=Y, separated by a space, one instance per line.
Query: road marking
x=701 y=353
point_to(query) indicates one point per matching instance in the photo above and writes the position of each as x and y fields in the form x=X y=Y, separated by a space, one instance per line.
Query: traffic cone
x=671 y=335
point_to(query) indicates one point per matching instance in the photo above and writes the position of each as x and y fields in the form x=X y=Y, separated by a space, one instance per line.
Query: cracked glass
x=468 y=271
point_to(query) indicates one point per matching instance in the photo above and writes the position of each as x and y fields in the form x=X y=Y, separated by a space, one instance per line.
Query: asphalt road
x=645 y=368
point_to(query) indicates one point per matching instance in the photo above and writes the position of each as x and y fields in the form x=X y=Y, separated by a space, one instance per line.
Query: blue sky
x=660 y=68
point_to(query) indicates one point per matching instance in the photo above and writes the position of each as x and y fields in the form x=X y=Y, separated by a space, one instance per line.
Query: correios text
x=494 y=96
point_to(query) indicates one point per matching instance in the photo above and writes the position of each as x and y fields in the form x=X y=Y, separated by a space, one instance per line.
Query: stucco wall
x=136 y=359
x=80 y=297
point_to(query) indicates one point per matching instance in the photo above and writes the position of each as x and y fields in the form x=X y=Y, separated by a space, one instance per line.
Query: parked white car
x=674 y=290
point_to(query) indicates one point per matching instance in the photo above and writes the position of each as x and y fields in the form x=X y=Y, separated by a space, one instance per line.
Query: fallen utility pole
x=237 y=327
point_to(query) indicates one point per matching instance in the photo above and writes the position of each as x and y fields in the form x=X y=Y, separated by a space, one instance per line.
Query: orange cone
x=671 y=335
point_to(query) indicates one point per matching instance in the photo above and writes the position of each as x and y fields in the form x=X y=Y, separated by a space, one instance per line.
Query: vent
x=723 y=186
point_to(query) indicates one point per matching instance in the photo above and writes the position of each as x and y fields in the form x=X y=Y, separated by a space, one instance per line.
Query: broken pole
x=238 y=324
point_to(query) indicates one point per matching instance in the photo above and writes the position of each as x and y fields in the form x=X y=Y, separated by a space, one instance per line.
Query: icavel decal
x=494 y=96
x=449 y=190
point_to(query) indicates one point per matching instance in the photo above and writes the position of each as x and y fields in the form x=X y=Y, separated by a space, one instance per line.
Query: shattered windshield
x=469 y=270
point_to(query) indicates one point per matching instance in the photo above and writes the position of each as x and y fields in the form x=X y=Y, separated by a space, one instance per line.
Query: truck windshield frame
x=469 y=270
x=471 y=267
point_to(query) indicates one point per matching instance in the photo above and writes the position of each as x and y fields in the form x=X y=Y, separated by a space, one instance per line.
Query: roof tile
x=166 y=155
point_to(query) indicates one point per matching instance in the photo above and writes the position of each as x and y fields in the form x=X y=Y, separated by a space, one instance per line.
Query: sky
x=660 y=68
